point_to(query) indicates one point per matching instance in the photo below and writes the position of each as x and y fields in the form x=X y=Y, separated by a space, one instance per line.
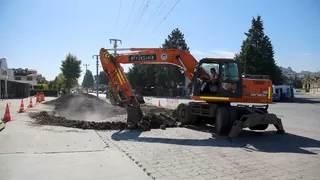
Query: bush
x=46 y=92
x=41 y=86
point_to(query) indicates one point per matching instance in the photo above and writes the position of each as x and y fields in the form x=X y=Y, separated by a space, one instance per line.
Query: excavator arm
x=120 y=84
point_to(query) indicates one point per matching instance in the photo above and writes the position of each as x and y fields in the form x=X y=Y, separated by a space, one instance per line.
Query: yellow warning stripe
x=215 y=98
x=122 y=78
x=119 y=77
x=269 y=92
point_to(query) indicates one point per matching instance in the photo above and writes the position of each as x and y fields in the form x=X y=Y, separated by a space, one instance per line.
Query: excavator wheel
x=225 y=116
x=184 y=115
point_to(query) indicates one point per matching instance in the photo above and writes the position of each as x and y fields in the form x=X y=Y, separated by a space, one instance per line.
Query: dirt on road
x=86 y=111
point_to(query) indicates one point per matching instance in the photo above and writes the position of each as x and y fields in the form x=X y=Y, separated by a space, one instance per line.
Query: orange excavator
x=212 y=94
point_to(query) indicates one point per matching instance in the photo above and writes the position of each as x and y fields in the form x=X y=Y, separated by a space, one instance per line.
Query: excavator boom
x=119 y=82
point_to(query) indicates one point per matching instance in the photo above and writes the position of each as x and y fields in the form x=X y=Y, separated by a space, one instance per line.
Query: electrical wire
x=118 y=17
x=152 y=16
x=129 y=17
x=137 y=17
x=145 y=9
x=164 y=18
x=163 y=8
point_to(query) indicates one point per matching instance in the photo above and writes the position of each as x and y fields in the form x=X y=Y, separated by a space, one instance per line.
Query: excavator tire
x=225 y=116
x=184 y=115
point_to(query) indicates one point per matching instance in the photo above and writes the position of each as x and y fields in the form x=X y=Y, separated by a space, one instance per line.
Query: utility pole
x=97 y=80
x=86 y=65
x=115 y=45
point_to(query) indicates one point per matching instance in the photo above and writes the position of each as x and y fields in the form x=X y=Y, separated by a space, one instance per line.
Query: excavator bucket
x=135 y=118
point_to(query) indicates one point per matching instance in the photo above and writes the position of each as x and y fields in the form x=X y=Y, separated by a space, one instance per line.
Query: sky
x=38 y=34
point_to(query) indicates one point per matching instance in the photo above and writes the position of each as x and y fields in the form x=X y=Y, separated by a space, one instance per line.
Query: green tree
x=50 y=84
x=175 y=40
x=164 y=76
x=103 y=79
x=88 y=79
x=257 y=54
x=71 y=70
x=60 y=81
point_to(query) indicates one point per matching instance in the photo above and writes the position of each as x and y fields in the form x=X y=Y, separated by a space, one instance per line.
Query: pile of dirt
x=43 y=118
x=85 y=107
x=86 y=111
x=156 y=121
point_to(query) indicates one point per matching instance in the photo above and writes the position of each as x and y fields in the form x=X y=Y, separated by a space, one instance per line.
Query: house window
x=17 y=78
x=29 y=78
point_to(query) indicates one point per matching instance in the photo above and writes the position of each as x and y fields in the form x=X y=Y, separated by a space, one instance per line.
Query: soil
x=86 y=111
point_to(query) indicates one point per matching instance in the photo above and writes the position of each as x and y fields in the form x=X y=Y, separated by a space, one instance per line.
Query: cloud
x=197 y=52
x=223 y=54
x=307 y=54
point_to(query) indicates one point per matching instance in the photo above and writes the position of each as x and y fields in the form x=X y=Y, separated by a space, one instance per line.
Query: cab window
x=229 y=71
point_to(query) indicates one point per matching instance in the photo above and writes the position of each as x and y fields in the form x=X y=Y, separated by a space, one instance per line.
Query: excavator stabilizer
x=257 y=119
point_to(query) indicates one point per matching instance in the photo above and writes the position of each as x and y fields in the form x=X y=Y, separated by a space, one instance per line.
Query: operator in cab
x=214 y=76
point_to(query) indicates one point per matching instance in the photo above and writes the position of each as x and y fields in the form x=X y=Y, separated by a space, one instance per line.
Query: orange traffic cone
x=159 y=103
x=21 y=107
x=30 y=103
x=7 y=116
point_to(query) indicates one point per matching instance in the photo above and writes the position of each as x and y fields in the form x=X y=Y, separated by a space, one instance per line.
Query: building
x=9 y=87
x=28 y=75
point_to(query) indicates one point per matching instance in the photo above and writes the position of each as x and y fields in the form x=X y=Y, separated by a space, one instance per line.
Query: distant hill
x=290 y=73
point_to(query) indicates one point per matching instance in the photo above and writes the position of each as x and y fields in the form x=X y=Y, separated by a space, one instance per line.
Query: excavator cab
x=217 y=78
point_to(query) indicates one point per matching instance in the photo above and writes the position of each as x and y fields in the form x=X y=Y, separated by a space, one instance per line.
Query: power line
x=163 y=8
x=129 y=17
x=137 y=17
x=164 y=18
x=152 y=16
x=118 y=17
x=145 y=9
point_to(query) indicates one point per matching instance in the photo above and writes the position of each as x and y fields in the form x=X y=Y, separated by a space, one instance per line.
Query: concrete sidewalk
x=14 y=105
x=29 y=151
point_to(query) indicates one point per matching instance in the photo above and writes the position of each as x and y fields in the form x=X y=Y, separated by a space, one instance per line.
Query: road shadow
x=264 y=141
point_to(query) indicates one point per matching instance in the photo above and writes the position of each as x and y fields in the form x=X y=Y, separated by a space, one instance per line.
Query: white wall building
x=28 y=75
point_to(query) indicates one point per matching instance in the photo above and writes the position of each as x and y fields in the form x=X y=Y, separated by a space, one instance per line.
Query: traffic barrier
x=42 y=96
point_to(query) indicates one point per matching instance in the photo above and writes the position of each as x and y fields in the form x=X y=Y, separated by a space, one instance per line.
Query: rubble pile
x=86 y=111
x=85 y=107
x=43 y=118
